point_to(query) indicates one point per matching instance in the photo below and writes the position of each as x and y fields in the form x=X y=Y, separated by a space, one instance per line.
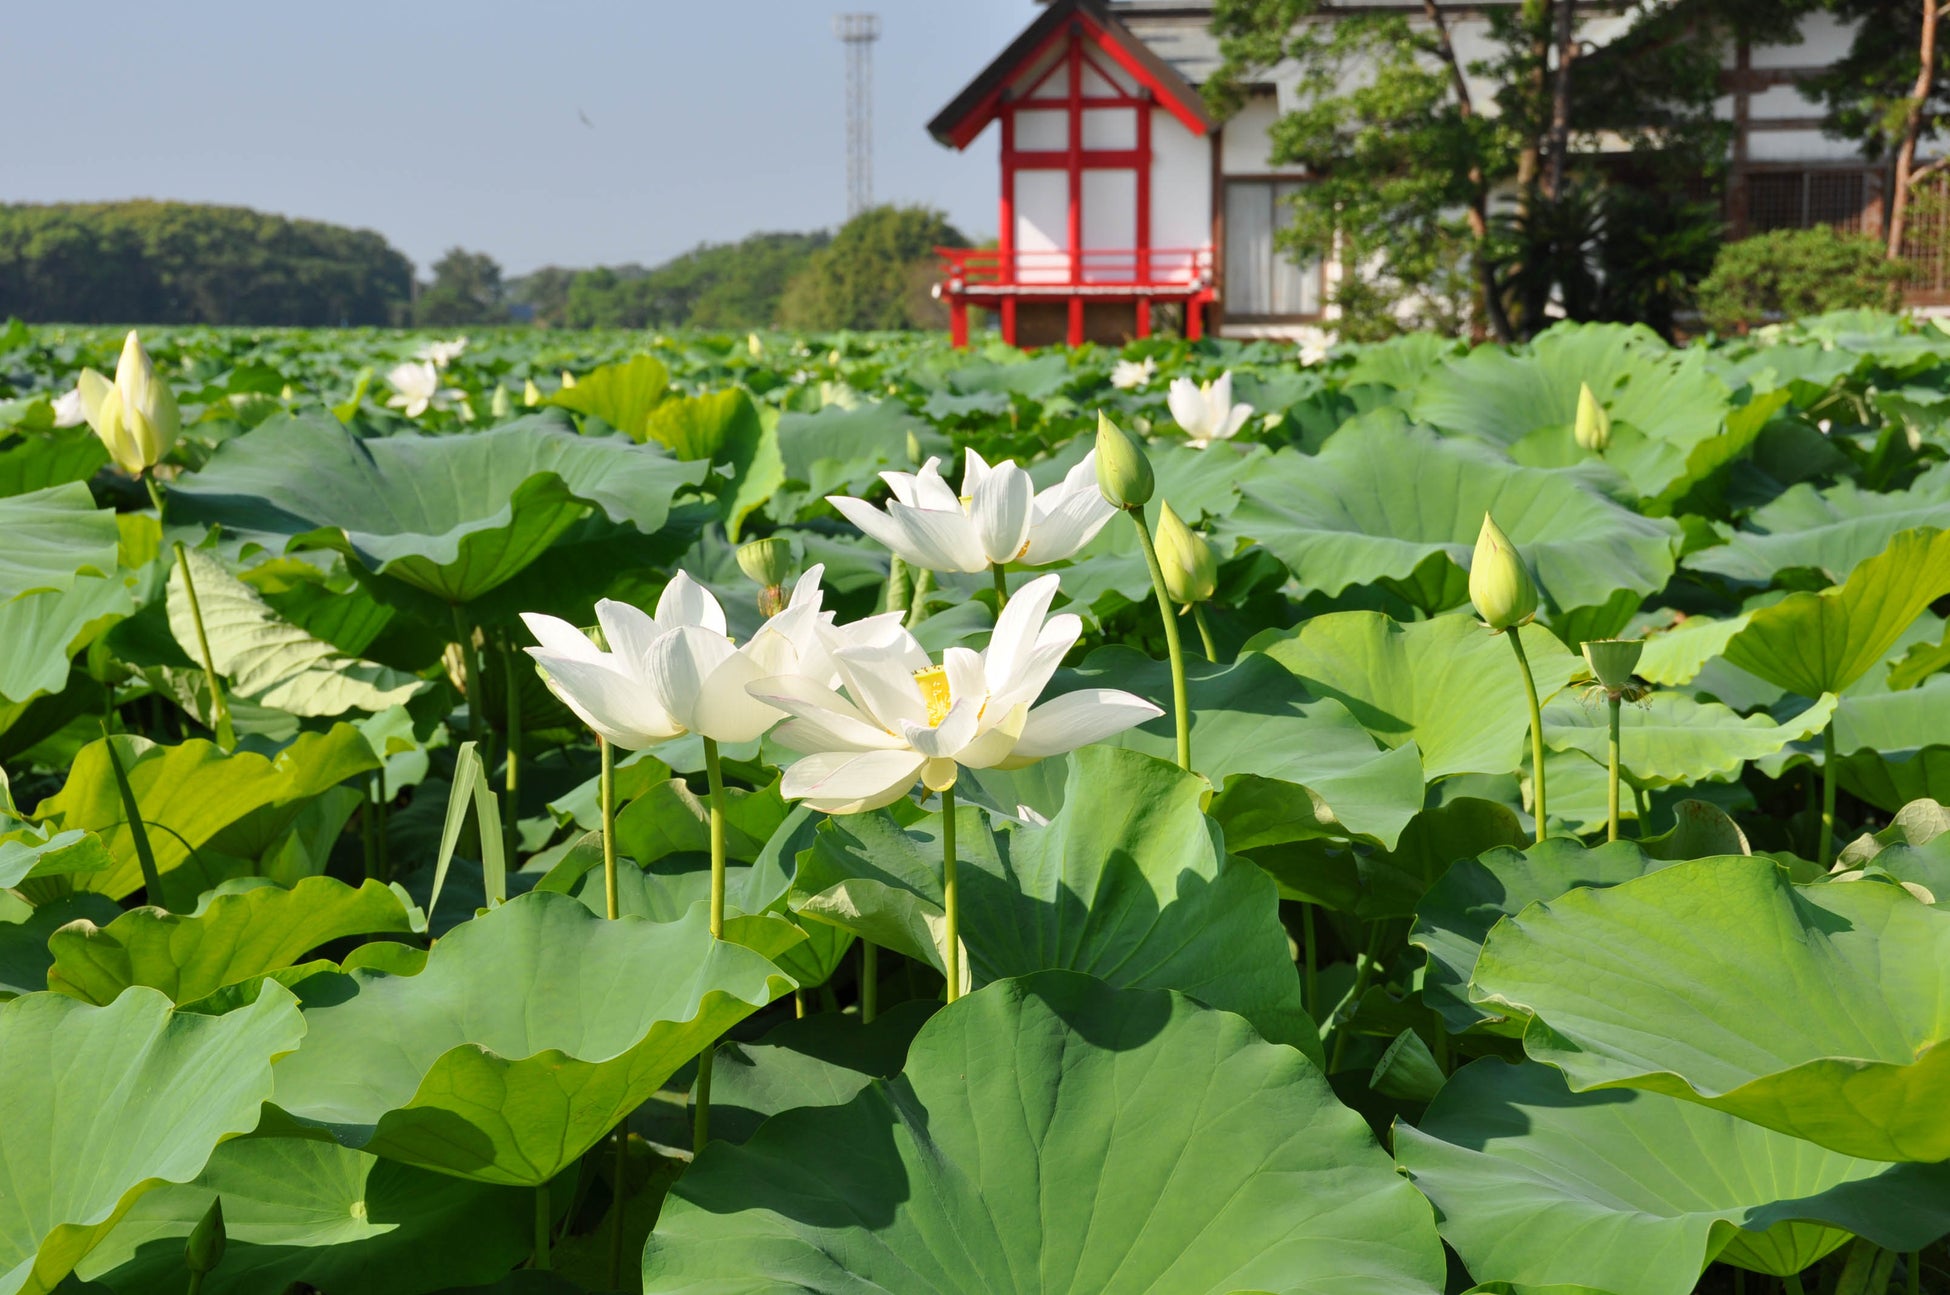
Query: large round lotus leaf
x=43 y=630
x=1446 y=684
x=336 y=1219
x=1054 y=1135
x=266 y=659
x=1830 y=531
x=819 y=1060
x=53 y=536
x=531 y=1032
x=1669 y=738
x=100 y=1104
x=1387 y=501
x=1816 y=1010
x=199 y=804
x=244 y=928
x=1812 y=643
x=1634 y=1192
x=1289 y=765
x=452 y=515
x=1455 y=917
x=1129 y=882
x=24 y=932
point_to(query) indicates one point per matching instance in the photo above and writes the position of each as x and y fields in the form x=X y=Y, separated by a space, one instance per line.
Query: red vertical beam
x=1074 y=164
x=1143 y=111
x=1006 y=237
x=1143 y=318
x=958 y=323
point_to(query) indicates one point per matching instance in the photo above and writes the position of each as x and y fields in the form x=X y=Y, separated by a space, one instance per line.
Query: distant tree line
x=187 y=263
x=191 y=263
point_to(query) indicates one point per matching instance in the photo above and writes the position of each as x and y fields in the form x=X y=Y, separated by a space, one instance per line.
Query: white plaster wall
x=1824 y=38
x=1109 y=222
x=1247 y=145
x=1798 y=146
x=1043 y=129
x=1181 y=192
x=1042 y=225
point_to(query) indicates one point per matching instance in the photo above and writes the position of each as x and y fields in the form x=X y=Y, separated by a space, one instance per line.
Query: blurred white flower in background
x=68 y=410
x=417 y=388
x=1205 y=410
x=1129 y=375
x=1314 y=343
x=998 y=517
x=442 y=354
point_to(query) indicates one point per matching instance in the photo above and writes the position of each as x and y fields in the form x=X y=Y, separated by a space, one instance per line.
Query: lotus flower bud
x=135 y=416
x=204 y=1250
x=568 y=379
x=1499 y=583
x=503 y=403
x=1191 y=568
x=1613 y=660
x=768 y=564
x=1593 y=428
x=1123 y=471
x=531 y=395
x=753 y=346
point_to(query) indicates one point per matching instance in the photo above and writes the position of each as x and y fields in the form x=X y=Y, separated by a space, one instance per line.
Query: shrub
x=1792 y=272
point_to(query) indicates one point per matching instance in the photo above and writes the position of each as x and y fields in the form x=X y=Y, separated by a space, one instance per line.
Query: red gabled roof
x=976 y=106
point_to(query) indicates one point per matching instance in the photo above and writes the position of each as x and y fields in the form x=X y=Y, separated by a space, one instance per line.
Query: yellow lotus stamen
x=934 y=691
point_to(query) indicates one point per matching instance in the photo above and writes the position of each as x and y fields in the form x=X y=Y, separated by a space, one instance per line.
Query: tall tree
x=1914 y=115
x=466 y=289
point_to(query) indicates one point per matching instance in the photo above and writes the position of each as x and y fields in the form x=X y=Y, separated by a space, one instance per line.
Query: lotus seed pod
x=1123 y=471
x=1499 y=583
x=1613 y=660
x=1191 y=568
x=1593 y=428
x=768 y=564
x=204 y=1250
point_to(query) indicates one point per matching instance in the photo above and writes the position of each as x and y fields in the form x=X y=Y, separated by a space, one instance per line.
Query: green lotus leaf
x=1812 y=643
x=622 y=395
x=1289 y=765
x=821 y=1060
x=1386 y=501
x=1446 y=684
x=453 y=1070
x=100 y=1104
x=1815 y=1010
x=1129 y=882
x=24 y=933
x=838 y=450
x=1054 y=1133
x=454 y=516
x=1913 y=848
x=1379 y=884
x=44 y=459
x=1635 y=1192
x=53 y=537
x=1831 y=531
x=267 y=660
x=38 y=852
x=1670 y=739
x=243 y=928
x=201 y=807
x=337 y=1219
x=43 y=630
x=1457 y=914
x=1676 y=656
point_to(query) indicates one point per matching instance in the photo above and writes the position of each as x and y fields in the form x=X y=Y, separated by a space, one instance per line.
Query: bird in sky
x=585 y=119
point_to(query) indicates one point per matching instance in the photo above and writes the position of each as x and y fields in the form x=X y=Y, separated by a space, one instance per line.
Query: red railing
x=986 y=270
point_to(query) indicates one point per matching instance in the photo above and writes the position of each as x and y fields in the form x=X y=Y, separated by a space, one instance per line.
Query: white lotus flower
x=416 y=387
x=1128 y=375
x=1206 y=411
x=442 y=354
x=904 y=718
x=1314 y=343
x=677 y=672
x=997 y=519
x=68 y=409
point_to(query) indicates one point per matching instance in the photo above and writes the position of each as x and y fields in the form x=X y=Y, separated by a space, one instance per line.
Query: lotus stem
x=950 y=899
x=869 y=981
x=1827 y=846
x=606 y=785
x=1536 y=726
x=714 y=775
x=1205 y=633
x=1644 y=811
x=617 y=1194
x=1311 y=984
x=470 y=669
x=145 y=856
x=798 y=1004
x=219 y=708
x=511 y=783
x=917 y=610
x=542 y=1226
x=196 y=1284
x=1792 y=1284
x=1612 y=700
x=1181 y=708
x=900 y=586
x=1363 y=973
x=1001 y=586
x=1913 y=1272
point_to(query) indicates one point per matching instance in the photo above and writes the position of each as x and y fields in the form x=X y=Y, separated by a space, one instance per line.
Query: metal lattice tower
x=859 y=31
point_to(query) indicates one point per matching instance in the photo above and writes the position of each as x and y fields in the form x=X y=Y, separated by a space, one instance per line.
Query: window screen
x=1262 y=279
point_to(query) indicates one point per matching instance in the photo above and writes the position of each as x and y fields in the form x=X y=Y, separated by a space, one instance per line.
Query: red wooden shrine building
x=1106 y=205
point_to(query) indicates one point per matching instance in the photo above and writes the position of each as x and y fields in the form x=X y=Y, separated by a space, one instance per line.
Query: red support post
x=1143 y=318
x=958 y=323
x=1194 y=324
x=1009 y=320
x=1074 y=335
x=1074 y=166
x=1144 y=195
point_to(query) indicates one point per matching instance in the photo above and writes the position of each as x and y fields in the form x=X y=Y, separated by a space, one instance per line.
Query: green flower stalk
x=1612 y=662
x=714 y=775
x=1124 y=477
x=1506 y=599
x=950 y=898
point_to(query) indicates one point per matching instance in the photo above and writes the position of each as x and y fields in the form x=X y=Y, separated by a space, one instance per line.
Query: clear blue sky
x=439 y=123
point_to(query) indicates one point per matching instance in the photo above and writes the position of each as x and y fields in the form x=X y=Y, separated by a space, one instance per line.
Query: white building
x=1120 y=192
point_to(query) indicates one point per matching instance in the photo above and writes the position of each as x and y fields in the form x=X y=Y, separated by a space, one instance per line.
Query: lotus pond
x=594 y=812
